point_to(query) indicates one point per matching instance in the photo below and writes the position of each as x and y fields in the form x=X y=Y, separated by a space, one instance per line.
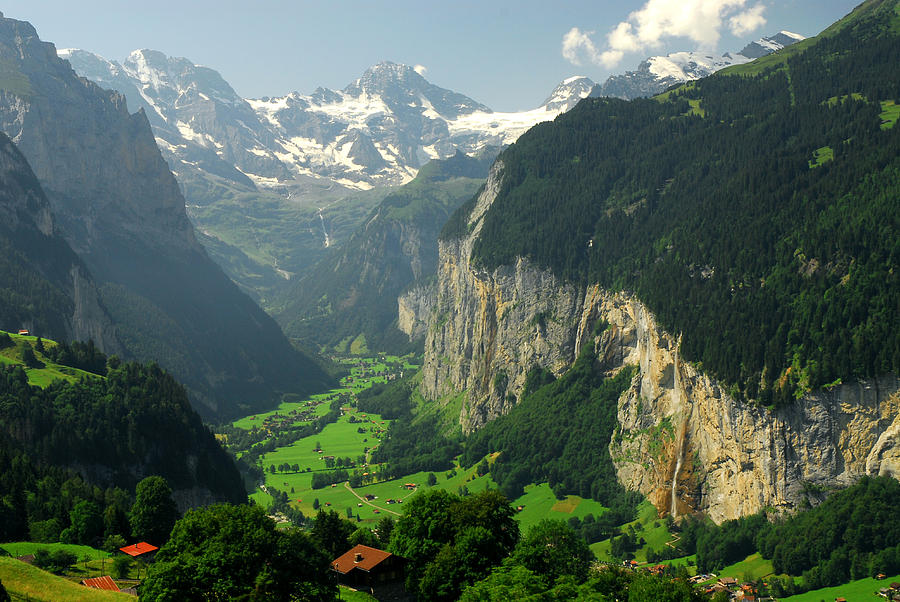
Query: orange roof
x=138 y=549
x=362 y=557
x=104 y=582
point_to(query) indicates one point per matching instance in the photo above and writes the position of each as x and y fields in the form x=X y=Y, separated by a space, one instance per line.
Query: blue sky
x=508 y=55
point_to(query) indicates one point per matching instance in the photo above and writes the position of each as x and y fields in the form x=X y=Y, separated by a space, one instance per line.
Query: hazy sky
x=506 y=54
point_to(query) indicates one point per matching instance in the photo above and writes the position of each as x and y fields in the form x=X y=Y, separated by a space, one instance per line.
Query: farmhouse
x=142 y=550
x=363 y=566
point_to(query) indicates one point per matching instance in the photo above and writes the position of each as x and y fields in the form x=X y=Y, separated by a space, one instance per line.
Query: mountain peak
x=567 y=94
x=386 y=76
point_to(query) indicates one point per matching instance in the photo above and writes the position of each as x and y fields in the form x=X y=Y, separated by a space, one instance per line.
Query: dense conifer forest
x=853 y=534
x=94 y=439
x=754 y=213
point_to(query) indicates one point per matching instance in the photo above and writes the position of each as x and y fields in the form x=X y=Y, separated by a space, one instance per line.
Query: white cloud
x=421 y=70
x=747 y=21
x=648 y=27
x=577 y=43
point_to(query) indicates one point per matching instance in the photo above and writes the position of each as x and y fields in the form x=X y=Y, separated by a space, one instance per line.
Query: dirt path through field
x=365 y=501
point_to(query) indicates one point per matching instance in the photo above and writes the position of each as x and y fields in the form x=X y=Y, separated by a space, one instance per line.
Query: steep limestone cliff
x=684 y=441
x=45 y=287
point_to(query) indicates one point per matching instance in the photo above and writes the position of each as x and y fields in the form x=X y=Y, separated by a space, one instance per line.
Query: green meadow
x=25 y=582
x=647 y=526
x=855 y=591
x=40 y=377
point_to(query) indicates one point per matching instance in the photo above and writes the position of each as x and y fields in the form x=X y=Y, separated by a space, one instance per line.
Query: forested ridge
x=87 y=440
x=755 y=214
x=854 y=534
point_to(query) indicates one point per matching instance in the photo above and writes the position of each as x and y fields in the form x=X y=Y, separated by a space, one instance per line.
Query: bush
x=56 y=561
x=120 y=567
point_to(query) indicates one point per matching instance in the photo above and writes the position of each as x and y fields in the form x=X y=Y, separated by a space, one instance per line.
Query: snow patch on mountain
x=657 y=73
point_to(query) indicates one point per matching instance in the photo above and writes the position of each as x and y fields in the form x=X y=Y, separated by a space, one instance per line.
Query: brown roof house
x=370 y=569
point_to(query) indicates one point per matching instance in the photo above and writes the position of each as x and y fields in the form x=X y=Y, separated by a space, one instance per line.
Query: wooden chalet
x=363 y=567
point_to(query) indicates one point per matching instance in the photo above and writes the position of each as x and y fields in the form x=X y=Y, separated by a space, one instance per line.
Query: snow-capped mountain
x=657 y=73
x=378 y=130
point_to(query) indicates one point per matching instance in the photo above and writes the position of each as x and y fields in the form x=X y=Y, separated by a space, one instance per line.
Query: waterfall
x=679 y=435
x=324 y=231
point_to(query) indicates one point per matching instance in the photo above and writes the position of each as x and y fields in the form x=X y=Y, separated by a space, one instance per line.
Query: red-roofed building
x=104 y=582
x=141 y=549
x=368 y=567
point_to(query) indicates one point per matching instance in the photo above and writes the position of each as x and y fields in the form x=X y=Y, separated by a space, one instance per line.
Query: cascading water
x=324 y=230
x=679 y=435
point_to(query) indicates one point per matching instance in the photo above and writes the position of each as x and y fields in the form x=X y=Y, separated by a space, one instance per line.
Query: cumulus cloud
x=648 y=27
x=577 y=44
x=747 y=21
x=421 y=70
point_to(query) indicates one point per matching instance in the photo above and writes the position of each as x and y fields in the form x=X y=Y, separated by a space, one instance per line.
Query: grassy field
x=539 y=502
x=40 y=377
x=21 y=548
x=649 y=527
x=255 y=420
x=855 y=591
x=25 y=582
x=821 y=156
x=890 y=112
x=750 y=568
x=352 y=595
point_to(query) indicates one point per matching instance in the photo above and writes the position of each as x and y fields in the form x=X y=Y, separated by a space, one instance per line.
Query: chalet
x=367 y=567
x=727 y=582
x=141 y=550
x=104 y=582
x=24 y=332
x=409 y=486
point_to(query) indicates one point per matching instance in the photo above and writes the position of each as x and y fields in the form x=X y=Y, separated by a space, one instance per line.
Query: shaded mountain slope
x=119 y=207
x=354 y=291
x=44 y=286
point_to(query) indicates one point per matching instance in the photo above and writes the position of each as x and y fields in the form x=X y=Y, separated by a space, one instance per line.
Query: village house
x=369 y=569
x=141 y=550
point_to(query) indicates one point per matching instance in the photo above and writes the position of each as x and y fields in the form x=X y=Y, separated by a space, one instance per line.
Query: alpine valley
x=384 y=343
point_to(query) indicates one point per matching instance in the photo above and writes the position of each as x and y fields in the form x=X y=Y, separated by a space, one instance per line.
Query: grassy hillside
x=39 y=376
x=25 y=582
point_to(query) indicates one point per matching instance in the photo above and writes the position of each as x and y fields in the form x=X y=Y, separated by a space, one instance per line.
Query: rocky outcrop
x=683 y=440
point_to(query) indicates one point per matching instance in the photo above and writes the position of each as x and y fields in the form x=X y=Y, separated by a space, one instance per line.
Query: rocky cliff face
x=120 y=209
x=684 y=441
x=46 y=287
